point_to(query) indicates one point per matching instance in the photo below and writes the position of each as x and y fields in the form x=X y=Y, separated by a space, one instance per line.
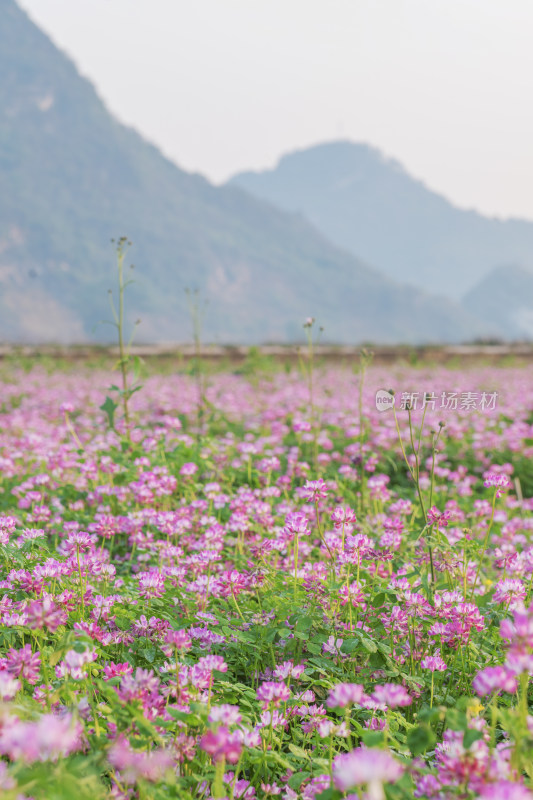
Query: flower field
x=267 y=586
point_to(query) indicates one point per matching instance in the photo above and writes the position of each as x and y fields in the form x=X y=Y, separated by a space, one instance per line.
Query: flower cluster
x=280 y=596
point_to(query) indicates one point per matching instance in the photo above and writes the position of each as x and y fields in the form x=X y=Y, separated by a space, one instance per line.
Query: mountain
x=505 y=297
x=369 y=205
x=72 y=178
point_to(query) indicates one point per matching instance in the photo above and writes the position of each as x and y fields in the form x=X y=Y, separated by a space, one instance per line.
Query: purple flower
x=392 y=695
x=151 y=584
x=433 y=663
x=505 y=790
x=222 y=744
x=273 y=693
x=24 y=664
x=315 y=490
x=494 y=679
x=501 y=482
x=213 y=662
x=345 y=694
x=9 y=686
x=341 y=516
x=188 y=469
x=368 y=766
x=511 y=592
x=226 y=714
x=47 y=739
x=178 y=639
x=135 y=764
x=288 y=669
x=296 y=524
x=45 y=614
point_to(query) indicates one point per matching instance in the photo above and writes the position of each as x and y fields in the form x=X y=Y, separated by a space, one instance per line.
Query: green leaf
x=369 y=645
x=54 y=658
x=349 y=645
x=298 y=751
x=456 y=720
x=376 y=660
x=329 y=794
x=124 y=623
x=296 y=780
x=431 y=715
x=149 y=654
x=109 y=407
x=471 y=736
x=420 y=739
x=373 y=738
x=279 y=759
x=137 y=368
x=378 y=600
x=183 y=716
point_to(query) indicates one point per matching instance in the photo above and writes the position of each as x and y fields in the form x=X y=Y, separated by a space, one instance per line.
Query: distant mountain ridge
x=72 y=177
x=505 y=296
x=369 y=205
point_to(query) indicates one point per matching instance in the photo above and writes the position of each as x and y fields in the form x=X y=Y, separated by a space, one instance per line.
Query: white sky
x=444 y=86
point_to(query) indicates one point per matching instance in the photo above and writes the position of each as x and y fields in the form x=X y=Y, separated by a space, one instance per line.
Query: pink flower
x=45 y=614
x=288 y=669
x=352 y=594
x=226 y=714
x=47 y=739
x=501 y=482
x=510 y=591
x=332 y=645
x=315 y=490
x=520 y=630
x=439 y=518
x=368 y=766
x=340 y=516
x=79 y=541
x=23 y=663
x=494 y=679
x=345 y=694
x=151 y=584
x=134 y=764
x=296 y=524
x=178 y=639
x=213 y=662
x=433 y=663
x=222 y=744
x=74 y=662
x=392 y=695
x=9 y=686
x=271 y=692
x=505 y=790
x=272 y=719
x=188 y=469
x=113 y=670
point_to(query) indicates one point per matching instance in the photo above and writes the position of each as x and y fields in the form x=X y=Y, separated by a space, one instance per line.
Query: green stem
x=237 y=606
x=218 y=783
x=485 y=544
x=295 y=563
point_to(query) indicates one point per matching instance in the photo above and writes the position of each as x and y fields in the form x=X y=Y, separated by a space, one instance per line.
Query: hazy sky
x=444 y=86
